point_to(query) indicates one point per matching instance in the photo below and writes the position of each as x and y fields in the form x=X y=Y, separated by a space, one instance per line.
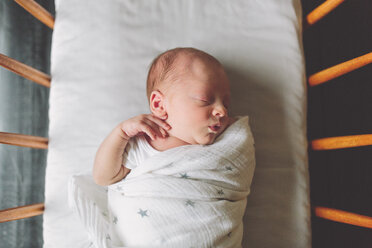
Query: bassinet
x=279 y=238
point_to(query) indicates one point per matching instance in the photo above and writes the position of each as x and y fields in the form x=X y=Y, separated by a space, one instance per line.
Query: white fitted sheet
x=101 y=51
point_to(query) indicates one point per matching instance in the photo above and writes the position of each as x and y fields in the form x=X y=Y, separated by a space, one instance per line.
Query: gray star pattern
x=184 y=176
x=189 y=202
x=115 y=220
x=119 y=187
x=220 y=192
x=142 y=212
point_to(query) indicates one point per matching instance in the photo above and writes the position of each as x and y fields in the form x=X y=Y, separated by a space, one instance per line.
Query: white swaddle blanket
x=187 y=196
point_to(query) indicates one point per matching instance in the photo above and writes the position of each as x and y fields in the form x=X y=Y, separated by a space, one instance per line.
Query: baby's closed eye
x=204 y=100
x=201 y=100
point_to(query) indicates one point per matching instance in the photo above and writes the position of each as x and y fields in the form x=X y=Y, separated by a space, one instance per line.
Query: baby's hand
x=146 y=123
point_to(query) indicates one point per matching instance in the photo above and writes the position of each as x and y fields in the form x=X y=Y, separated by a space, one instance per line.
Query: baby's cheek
x=193 y=115
x=202 y=115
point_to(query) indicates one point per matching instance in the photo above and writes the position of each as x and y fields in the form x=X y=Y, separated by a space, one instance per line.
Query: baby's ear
x=157 y=104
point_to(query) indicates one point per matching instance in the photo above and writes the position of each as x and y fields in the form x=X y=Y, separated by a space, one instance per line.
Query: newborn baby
x=177 y=177
x=188 y=93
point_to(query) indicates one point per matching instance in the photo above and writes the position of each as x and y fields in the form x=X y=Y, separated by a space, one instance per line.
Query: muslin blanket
x=187 y=196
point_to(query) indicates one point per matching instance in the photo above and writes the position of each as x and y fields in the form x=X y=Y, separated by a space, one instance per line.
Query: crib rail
x=343 y=217
x=21 y=212
x=342 y=142
x=340 y=69
x=37 y=11
x=25 y=71
x=321 y=11
x=23 y=140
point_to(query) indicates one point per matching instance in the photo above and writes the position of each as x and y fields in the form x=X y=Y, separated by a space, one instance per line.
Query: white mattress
x=101 y=51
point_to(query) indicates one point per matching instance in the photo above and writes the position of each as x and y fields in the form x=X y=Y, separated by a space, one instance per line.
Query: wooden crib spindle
x=37 y=11
x=331 y=143
x=343 y=216
x=340 y=69
x=21 y=212
x=320 y=12
x=25 y=71
x=23 y=140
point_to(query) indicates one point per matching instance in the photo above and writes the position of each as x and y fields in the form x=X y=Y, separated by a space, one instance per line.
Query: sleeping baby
x=180 y=176
x=189 y=94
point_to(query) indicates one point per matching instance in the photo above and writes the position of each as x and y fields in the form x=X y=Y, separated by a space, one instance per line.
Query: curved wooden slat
x=21 y=212
x=342 y=142
x=24 y=140
x=25 y=70
x=37 y=11
x=340 y=69
x=343 y=216
x=321 y=11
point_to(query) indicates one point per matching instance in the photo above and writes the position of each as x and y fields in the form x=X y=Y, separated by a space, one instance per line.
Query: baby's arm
x=108 y=167
x=107 y=164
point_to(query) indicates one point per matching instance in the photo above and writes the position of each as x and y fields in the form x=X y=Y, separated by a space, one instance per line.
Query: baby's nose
x=221 y=112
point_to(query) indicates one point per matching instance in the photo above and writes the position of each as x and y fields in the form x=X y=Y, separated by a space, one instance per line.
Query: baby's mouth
x=214 y=128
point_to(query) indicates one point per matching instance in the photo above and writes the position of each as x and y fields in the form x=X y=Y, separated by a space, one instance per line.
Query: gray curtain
x=23 y=109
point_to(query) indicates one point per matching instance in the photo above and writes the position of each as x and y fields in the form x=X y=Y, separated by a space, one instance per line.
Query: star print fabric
x=193 y=195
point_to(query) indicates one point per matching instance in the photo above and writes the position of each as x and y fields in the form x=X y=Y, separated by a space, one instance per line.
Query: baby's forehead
x=200 y=79
x=195 y=69
x=194 y=61
x=195 y=66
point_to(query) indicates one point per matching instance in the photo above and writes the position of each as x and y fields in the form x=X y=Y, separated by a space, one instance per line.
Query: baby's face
x=197 y=105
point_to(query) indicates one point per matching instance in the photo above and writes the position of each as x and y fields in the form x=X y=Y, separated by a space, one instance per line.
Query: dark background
x=342 y=178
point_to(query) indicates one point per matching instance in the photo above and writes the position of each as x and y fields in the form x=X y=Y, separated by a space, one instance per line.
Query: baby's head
x=190 y=89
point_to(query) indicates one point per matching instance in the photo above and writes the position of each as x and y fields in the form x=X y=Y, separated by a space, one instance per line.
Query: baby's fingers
x=159 y=122
x=149 y=131
x=164 y=133
x=153 y=128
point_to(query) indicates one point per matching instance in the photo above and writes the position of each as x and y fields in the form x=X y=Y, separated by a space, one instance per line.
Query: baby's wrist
x=123 y=134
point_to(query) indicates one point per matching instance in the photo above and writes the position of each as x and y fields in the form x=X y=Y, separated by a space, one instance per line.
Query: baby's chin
x=199 y=140
x=202 y=139
x=209 y=139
